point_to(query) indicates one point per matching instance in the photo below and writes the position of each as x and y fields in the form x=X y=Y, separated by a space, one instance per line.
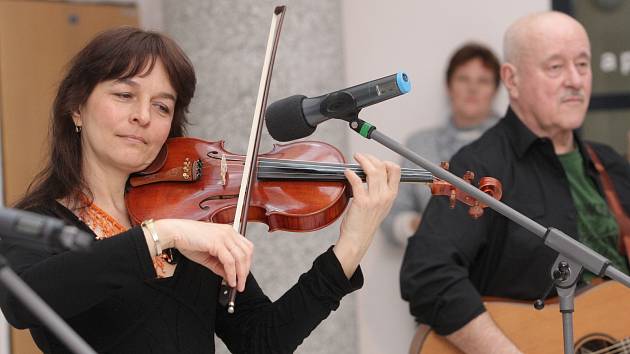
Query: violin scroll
x=488 y=185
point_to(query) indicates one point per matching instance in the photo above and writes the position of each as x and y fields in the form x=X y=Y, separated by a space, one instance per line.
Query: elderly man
x=547 y=174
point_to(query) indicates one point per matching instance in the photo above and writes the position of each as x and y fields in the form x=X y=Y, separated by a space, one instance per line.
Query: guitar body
x=601 y=319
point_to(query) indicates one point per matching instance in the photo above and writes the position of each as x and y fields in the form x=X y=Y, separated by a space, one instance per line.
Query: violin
x=299 y=186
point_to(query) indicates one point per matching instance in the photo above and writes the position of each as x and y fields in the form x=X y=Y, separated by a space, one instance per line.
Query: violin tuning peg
x=444 y=165
x=453 y=199
x=475 y=211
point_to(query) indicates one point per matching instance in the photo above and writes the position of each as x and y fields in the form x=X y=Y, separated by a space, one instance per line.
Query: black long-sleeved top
x=453 y=260
x=111 y=297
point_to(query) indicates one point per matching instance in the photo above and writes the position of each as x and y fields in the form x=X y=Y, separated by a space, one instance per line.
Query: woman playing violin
x=124 y=94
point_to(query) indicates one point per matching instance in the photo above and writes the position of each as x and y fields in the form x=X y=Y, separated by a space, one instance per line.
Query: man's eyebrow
x=130 y=82
x=586 y=55
x=552 y=58
x=583 y=54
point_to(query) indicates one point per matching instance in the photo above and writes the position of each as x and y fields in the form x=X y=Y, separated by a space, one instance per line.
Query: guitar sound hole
x=593 y=342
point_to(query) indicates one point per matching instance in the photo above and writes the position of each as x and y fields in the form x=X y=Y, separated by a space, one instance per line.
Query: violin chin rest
x=157 y=163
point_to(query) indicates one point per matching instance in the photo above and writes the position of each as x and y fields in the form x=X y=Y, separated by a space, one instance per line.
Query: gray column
x=226 y=42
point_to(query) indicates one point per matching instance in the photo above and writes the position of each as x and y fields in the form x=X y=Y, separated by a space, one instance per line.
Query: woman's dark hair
x=472 y=51
x=118 y=53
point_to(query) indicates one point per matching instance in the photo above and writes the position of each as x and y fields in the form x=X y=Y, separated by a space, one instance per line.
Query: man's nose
x=575 y=78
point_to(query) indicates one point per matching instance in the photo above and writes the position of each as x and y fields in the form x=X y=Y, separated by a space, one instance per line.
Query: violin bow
x=251 y=159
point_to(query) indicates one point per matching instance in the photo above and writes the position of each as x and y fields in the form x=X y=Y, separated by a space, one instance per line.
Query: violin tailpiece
x=190 y=171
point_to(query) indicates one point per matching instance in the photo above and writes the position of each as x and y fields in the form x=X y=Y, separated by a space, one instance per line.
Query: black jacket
x=111 y=297
x=453 y=260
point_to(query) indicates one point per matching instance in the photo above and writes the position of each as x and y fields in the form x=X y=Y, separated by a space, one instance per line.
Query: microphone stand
x=39 y=308
x=573 y=255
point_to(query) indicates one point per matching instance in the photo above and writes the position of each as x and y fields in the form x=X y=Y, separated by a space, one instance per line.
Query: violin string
x=327 y=177
x=335 y=167
x=615 y=348
x=284 y=162
x=339 y=172
x=268 y=160
x=316 y=167
x=324 y=164
x=356 y=169
x=266 y=173
x=301 y=176
x=238 y=158
x=266 y=170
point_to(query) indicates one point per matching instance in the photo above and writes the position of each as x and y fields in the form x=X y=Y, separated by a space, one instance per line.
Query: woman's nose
x=141 y=113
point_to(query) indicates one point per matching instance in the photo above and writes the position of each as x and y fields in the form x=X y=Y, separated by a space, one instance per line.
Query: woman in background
x=472 y=80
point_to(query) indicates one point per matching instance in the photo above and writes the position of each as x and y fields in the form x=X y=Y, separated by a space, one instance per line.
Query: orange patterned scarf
x=105 y=226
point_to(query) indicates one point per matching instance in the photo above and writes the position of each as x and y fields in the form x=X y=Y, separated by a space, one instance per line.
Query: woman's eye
x=163 y=108
x=125 y=95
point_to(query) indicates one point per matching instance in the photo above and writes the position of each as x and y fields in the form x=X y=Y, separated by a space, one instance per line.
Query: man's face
x=554 y=79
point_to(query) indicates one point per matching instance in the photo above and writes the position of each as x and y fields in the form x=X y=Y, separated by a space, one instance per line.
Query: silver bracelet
x=149 y=225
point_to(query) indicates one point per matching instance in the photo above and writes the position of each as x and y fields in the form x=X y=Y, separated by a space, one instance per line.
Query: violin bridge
x=224 y=170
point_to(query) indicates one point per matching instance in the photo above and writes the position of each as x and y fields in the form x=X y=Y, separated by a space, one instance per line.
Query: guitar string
x=618 y=347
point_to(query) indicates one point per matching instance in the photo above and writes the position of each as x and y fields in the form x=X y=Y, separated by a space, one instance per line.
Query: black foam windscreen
x=285 y=119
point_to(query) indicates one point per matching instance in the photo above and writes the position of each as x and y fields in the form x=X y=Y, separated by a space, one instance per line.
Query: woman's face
x=471 y=91
x=126 y=122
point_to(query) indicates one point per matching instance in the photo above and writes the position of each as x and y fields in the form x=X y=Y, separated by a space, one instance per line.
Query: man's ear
x=509 y=76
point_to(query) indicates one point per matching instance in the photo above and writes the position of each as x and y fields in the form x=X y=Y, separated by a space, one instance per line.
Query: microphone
x=297 y=116
x=37 y=231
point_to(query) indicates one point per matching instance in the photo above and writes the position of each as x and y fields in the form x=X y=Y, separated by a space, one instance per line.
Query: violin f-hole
x=215 y=197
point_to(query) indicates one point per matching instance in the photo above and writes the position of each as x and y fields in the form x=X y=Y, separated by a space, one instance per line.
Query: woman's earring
x=77 y=128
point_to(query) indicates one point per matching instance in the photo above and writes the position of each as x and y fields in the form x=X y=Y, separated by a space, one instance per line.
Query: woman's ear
x=448 y=92
x=509 y=77
x=76 y=117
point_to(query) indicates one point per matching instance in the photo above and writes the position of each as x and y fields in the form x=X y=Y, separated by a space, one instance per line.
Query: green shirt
x=597 y=227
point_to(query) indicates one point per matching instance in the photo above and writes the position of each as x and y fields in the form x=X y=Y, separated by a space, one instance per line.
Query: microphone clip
x=340 y=105
x=362 y=127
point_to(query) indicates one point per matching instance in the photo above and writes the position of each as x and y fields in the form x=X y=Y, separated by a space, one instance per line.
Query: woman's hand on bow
x=217 y=247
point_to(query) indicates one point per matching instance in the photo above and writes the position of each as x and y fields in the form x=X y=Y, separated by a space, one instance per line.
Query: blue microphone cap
x=402 y=80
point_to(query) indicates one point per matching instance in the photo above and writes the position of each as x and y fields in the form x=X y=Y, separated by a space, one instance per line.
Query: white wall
x=418 y=37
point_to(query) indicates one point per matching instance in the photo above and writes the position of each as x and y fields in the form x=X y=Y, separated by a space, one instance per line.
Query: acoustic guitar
x=601 y=324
